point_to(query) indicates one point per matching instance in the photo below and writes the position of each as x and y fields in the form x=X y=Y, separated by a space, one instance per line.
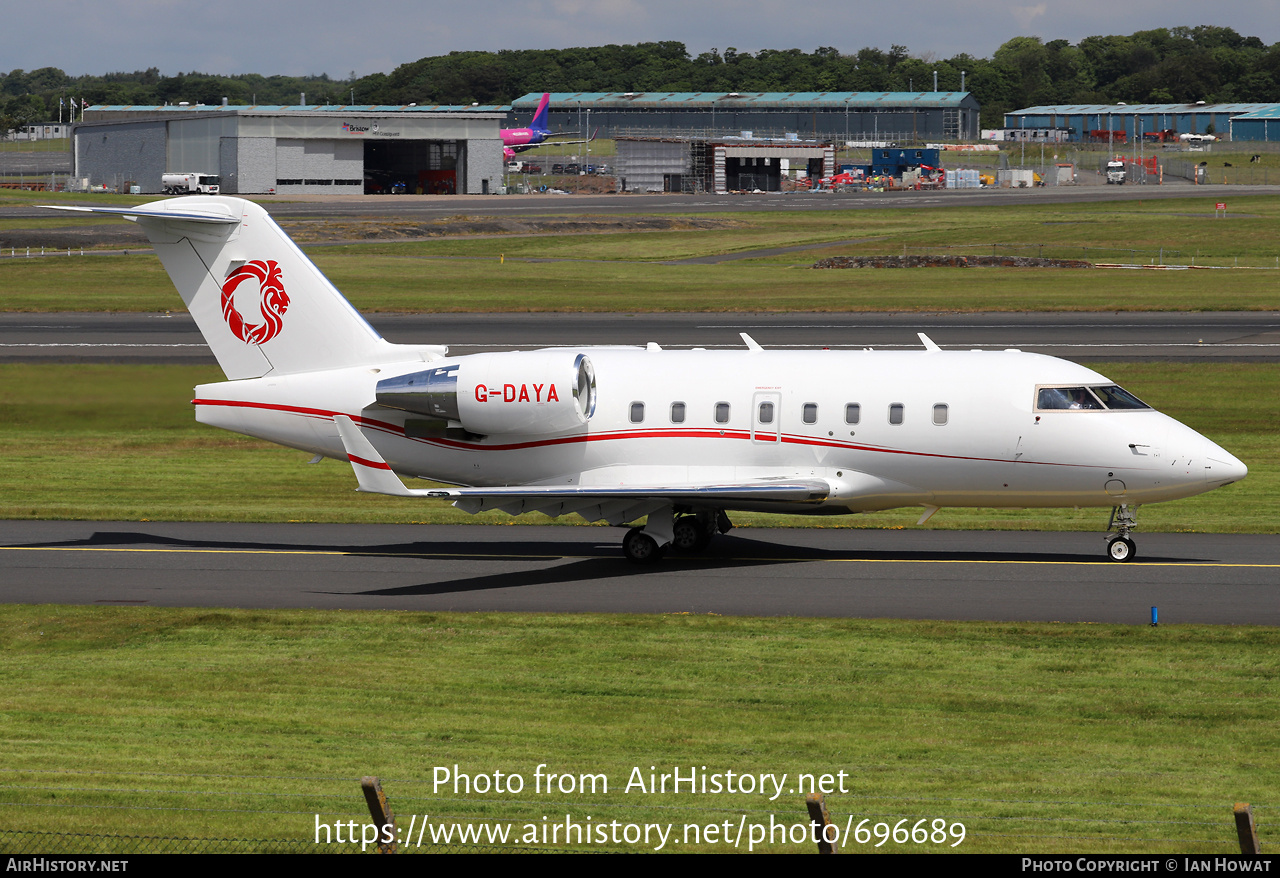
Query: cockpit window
x=1115 y=397
x=1066 y=398
x=1087 y=398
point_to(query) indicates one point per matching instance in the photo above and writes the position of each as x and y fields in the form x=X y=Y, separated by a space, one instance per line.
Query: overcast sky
x=327 y=36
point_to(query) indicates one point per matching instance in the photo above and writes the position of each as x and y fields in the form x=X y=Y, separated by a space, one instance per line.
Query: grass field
x=120 y=442
x=617 y=272
x=246 y=725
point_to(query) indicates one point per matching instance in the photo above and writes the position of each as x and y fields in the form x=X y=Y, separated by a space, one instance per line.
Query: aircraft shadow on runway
x=588 y=558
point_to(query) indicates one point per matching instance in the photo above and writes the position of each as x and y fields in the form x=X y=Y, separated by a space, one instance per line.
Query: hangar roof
x=698 y=99
x=1271 y=112
x=309 y=108
x=1138 y=109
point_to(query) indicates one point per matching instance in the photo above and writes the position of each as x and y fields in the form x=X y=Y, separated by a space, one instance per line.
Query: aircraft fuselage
x=885 y=429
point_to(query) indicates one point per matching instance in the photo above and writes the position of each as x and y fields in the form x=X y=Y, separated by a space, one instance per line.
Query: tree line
x=1164 y=65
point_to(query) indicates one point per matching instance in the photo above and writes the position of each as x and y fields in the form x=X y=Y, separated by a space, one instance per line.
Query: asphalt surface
x=173 y=338
x=1218 y=579
x=428 y=207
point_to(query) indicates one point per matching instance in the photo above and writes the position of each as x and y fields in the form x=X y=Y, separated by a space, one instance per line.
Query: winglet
x=929 y=344
x=752 y=344
x=372 y=471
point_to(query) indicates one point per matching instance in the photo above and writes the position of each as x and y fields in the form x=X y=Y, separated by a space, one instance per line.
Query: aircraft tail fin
x=539 y=122
x=260 y=303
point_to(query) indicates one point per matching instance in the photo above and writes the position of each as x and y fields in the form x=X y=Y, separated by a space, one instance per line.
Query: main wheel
x=686 y=535
x=640 y=548
x=1122 y=549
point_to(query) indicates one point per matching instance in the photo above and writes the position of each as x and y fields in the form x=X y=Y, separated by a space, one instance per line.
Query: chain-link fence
x=79 y=843
x=105 y=813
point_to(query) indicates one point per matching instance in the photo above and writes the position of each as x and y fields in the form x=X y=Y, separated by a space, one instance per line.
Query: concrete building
x=835 y=115
x=322 y=149
x=42 y=131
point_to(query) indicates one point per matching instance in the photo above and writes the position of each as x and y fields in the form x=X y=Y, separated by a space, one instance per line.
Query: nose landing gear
x=1120 y=547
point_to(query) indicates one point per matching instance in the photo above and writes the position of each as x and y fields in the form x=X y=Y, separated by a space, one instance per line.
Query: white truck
x=1115 y=172
x=187 y=184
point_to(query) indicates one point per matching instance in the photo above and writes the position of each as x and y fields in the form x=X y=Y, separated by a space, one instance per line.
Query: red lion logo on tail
x=275 y=301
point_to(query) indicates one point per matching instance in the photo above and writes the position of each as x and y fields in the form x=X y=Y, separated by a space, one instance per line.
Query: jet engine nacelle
x=530 y=392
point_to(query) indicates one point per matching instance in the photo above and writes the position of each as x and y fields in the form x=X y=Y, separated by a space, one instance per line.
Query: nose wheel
x=1121 y=547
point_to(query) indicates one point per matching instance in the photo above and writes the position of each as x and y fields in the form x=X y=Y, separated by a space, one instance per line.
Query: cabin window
x=637 y=413
x=766 y=413
x=852 y=413
x=677 y=413
x=895 y=413
x=722 y=413
x=810 y=412
x=940 y=414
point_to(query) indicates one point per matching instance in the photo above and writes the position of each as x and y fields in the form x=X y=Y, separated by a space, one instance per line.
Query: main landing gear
x=1121 y=547
x=690 y=532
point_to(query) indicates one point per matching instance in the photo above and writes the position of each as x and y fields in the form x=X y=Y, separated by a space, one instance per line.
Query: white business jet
x=679 y=436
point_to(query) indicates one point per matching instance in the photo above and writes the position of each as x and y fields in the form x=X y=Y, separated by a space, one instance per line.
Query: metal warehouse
x=1261 y=124
x=295 y=150
x=1137 y=119
x=832 y=115
x=655 y=164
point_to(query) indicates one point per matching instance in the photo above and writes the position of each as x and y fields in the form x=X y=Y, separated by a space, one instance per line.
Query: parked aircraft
x=516 y=140
x=680 y=436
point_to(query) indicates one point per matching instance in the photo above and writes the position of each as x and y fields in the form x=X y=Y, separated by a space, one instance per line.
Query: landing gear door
x=766 y=416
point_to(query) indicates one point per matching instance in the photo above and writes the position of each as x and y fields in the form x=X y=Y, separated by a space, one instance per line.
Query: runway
x=1047 y=577
x=173 y=338
x=428 y=207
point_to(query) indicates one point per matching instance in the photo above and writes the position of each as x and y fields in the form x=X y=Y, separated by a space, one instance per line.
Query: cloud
x=329 y=36
x=1024 y=15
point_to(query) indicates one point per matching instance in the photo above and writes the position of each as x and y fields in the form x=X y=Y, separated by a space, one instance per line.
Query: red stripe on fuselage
x=689 y=433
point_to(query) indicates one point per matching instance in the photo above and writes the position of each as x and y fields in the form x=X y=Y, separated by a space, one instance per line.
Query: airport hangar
x=342 y=150
x=1225 y=121
x=832 y=115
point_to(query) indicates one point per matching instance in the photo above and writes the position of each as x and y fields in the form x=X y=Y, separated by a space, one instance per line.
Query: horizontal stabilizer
x=135 y=213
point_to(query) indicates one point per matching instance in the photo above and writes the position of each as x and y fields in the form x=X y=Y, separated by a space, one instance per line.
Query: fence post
x=1245 y=829
x=380 y=810
x=820 y=820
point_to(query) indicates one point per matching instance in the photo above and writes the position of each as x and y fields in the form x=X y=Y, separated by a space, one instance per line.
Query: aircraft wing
x=615 y=504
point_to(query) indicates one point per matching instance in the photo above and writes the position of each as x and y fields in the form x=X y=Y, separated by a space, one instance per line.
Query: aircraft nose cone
x=1222 y=468
x=1196 y=457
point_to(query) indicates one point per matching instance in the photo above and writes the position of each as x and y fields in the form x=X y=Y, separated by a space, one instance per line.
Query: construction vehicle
x=191 y=184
